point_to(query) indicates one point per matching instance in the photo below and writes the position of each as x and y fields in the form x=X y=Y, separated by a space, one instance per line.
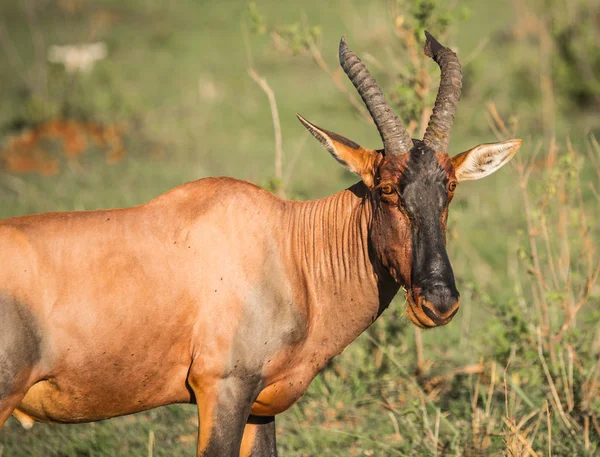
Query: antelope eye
x=451 y=186
x=387 y=189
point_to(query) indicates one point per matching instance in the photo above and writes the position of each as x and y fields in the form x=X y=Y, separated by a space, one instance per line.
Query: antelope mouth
x=420 y=315
x=414 y=313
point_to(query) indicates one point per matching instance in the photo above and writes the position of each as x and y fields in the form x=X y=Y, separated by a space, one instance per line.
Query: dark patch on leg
x=20 y=345
x=235 y=398
x=264 y=442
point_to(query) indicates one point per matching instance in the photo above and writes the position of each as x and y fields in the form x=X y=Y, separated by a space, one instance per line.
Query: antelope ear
x=354 y=157
x=484 y=159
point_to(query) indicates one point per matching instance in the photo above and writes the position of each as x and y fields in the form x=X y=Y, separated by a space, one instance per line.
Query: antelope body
x=222 y=294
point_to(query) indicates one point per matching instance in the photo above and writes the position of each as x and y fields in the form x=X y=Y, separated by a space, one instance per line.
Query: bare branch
x=276 y=124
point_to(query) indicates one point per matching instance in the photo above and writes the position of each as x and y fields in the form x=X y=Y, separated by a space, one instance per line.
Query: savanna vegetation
x=183 y=90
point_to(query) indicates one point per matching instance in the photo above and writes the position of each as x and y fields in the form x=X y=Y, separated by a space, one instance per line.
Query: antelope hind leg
x=259 y=437
x=25 y=420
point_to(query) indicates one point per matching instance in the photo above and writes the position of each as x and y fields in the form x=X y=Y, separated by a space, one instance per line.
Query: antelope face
x=411 y=184
x=410 y=201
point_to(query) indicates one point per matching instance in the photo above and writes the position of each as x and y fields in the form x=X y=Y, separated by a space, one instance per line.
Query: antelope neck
x=346 y=286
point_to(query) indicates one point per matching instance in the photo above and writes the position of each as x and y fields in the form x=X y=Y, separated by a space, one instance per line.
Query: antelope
x=221 y=294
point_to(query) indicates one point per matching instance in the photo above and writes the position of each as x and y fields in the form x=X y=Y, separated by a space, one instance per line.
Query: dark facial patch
x=424 y=194
x=422 y=178
x=423 y=184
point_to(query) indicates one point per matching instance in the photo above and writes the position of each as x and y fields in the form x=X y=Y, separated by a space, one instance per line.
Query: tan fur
x=214 y=281
x=248 y=440
x=134 y=304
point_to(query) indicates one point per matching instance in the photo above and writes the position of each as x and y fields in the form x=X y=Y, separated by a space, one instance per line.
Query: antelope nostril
x=443 y=299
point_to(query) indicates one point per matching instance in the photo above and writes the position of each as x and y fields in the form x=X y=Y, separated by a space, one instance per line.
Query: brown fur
x=142 y=307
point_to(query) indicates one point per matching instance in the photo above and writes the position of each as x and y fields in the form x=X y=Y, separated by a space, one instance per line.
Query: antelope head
x=411 y=184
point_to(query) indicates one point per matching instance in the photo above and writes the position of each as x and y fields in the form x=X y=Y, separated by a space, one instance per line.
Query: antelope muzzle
x=433 y=299
x=434 y=306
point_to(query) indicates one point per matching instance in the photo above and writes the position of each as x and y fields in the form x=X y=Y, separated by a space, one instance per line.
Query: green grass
x=176 y=76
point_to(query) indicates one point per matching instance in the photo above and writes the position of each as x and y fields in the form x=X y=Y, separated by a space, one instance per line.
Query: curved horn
x=437 y=135
x=395 y=138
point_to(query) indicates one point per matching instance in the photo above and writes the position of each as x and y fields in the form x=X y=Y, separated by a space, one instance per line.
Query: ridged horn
x=437 y=135
x=395 y=138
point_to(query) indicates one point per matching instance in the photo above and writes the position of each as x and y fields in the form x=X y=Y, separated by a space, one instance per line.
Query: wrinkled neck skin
x=341 y=281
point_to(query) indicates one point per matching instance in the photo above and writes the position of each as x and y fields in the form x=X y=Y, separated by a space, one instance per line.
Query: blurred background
x=109 y=103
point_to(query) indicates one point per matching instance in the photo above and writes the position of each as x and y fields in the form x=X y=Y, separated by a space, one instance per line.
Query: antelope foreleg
x=223 y=409
x=20 y=351
x=8 y=404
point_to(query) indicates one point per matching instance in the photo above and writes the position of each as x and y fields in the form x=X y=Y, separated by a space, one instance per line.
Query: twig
x=493 y=127
x=498 y=119
x=594 y=146
x=570 y=372
x=533 y=430
x=419 y=351
x=565 y=381
x=274 y=114
x=335 y=77
x=294 y=160
x=436 y=433
x=520 y=437
x=506 y=410
x=544 y=228
x=596 y=425
x=589 y=284
x=426 y=421
x=553 y=391
x=526 y=419
x=276 y=126
x=395 y=425
x=150 y=443
x=541 y=285
x=585 y=232
x=475 y=396
x=488 y=403
x=549 y=429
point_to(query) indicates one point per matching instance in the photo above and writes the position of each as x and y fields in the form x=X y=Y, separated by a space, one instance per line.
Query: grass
x=176 y=78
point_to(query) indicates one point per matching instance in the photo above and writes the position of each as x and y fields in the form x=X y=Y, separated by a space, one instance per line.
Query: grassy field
x=517 y=372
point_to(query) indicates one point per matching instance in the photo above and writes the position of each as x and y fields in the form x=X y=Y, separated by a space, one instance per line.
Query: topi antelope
x=220 y=293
